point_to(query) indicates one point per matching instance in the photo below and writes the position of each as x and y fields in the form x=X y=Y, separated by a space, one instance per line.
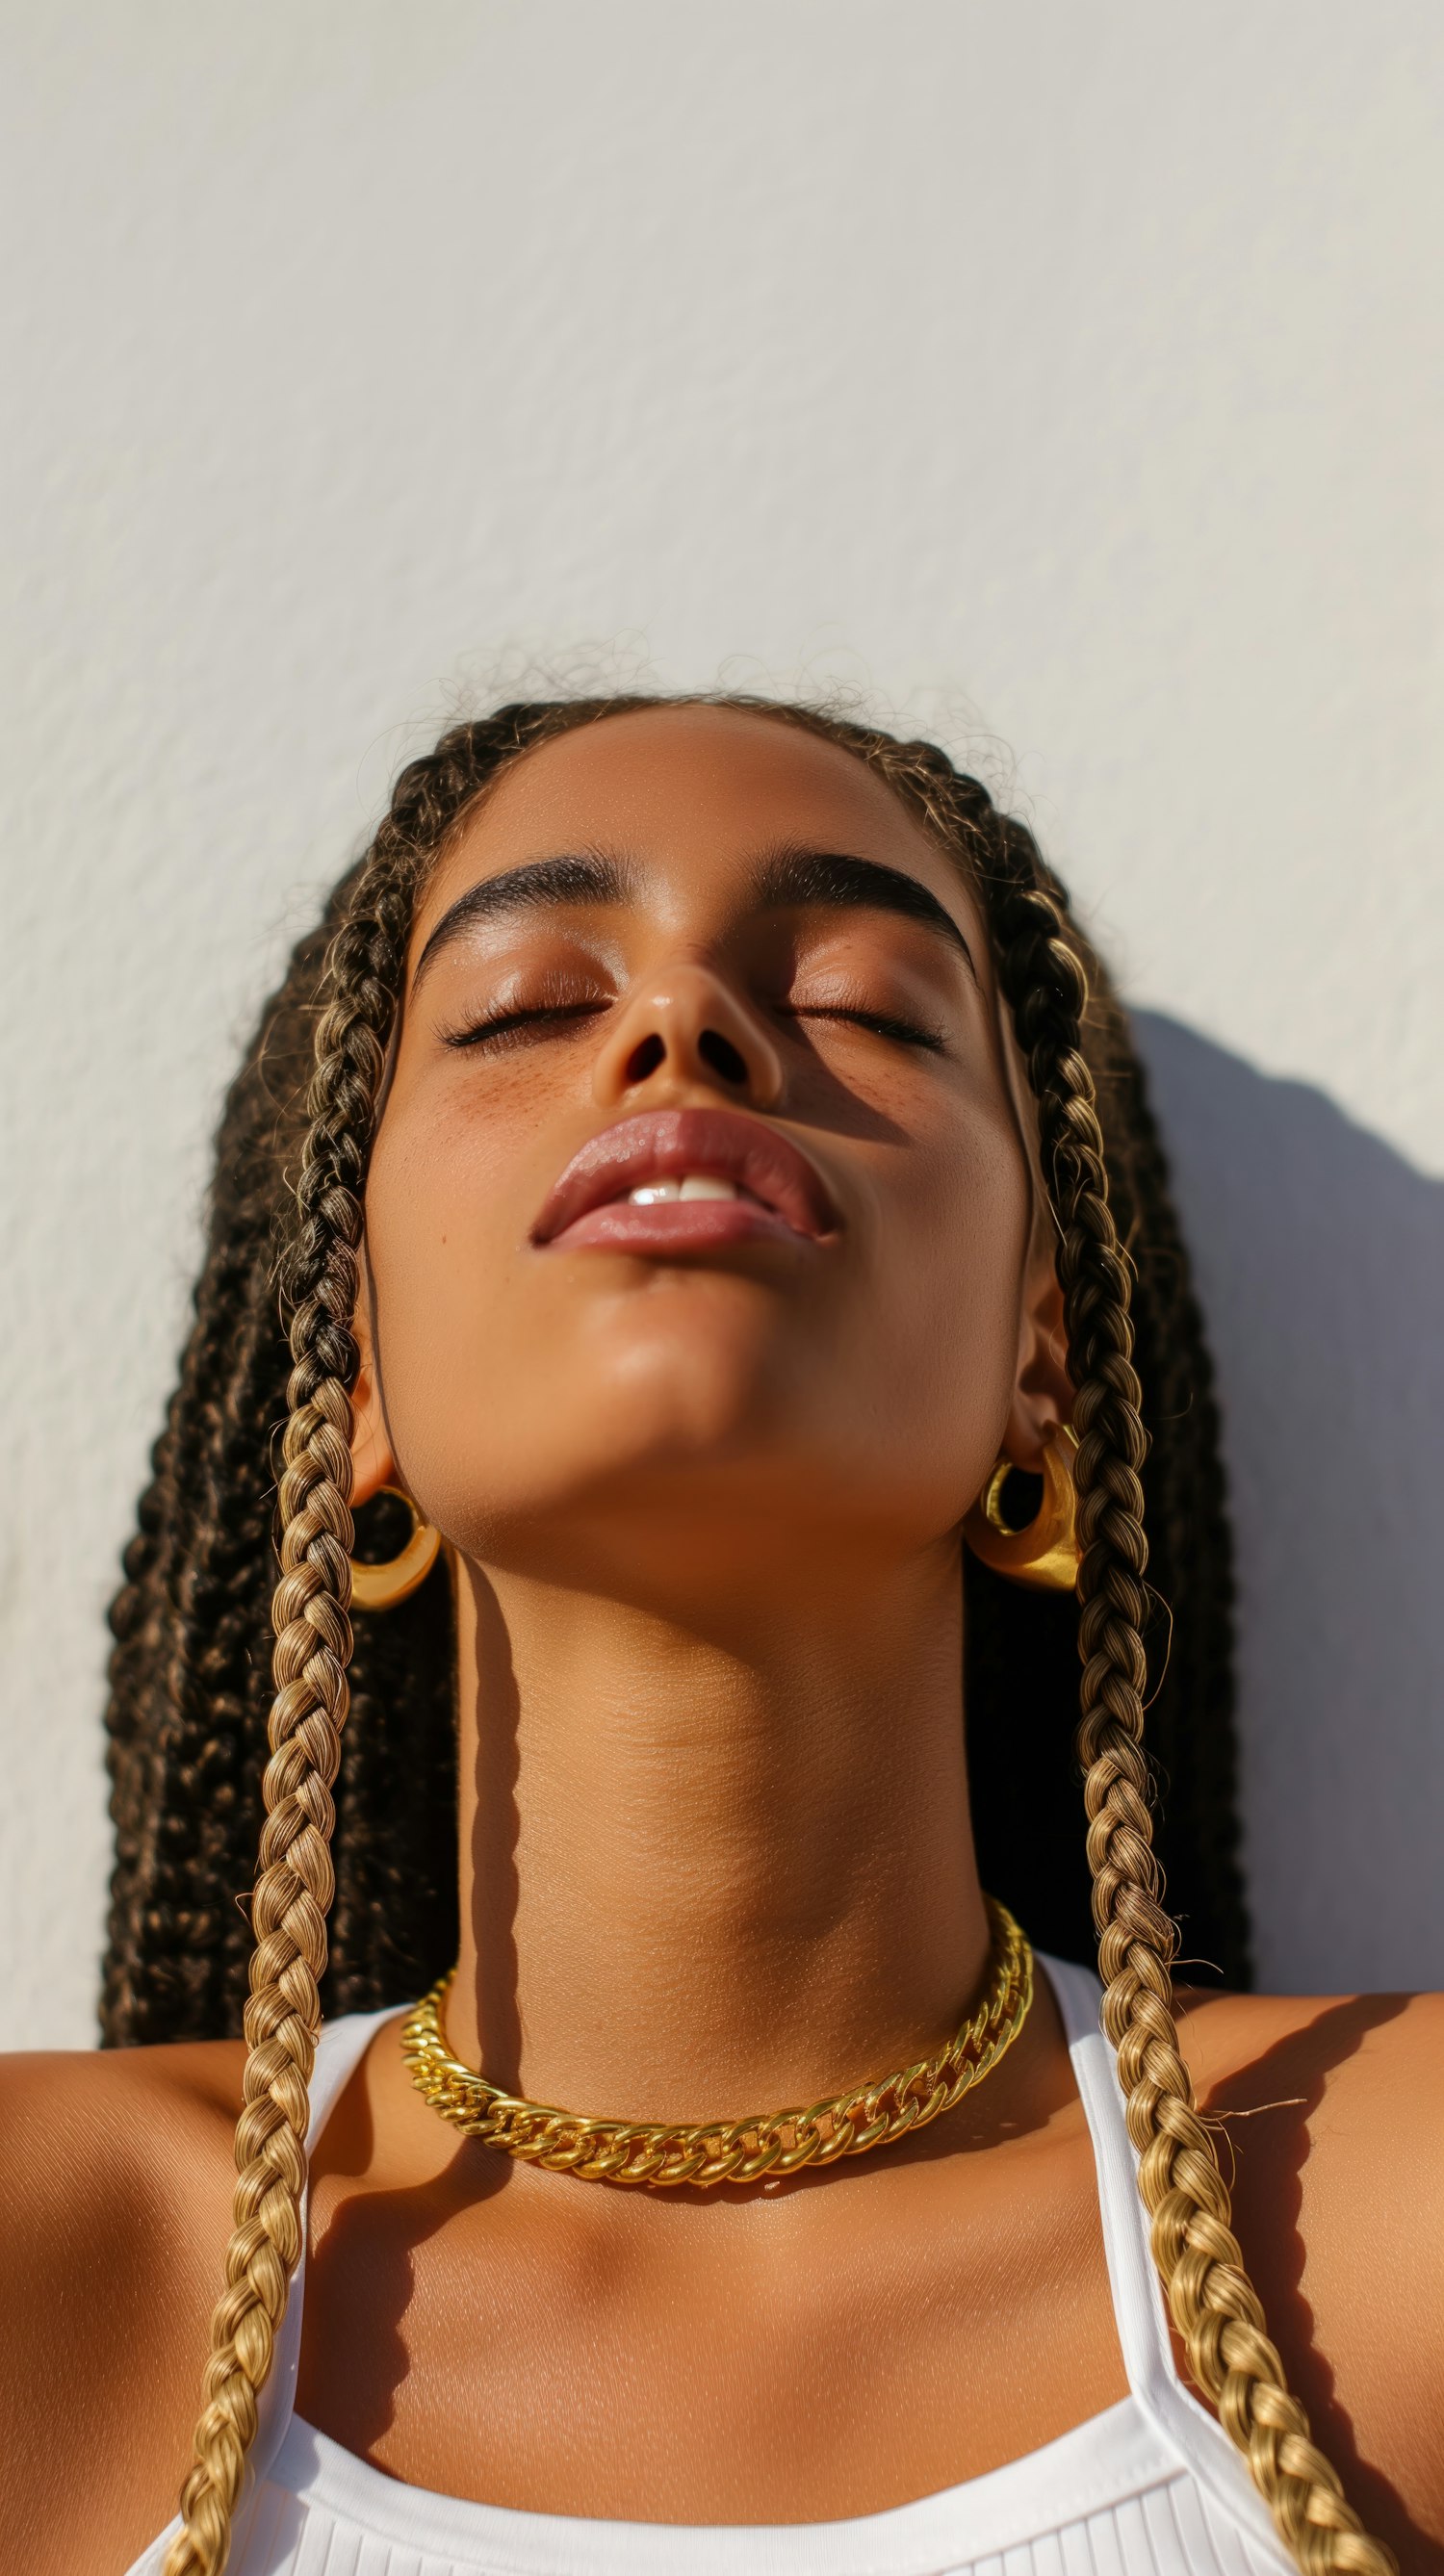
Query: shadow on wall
x=1319 y=1254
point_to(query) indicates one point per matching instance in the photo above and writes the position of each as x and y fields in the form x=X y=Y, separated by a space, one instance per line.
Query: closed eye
x=564 y=1018
x=882 y=1024
x=509 y=1027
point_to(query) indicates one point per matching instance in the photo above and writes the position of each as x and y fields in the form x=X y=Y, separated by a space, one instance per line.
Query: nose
x=686 y=1029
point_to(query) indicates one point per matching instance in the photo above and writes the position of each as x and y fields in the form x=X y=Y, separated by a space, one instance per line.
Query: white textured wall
x=1071 y=376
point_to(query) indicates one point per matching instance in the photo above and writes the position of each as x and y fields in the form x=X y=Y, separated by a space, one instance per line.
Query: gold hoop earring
x=1044 y=1553
x=383 y=1587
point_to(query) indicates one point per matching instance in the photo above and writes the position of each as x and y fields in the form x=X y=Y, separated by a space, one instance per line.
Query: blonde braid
x=294 y=1882
x=1214 y=2305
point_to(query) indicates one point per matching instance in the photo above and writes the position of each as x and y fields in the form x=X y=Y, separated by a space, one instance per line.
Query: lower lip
x=675 y=1225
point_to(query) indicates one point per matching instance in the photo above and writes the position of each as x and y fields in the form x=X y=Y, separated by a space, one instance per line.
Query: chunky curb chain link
x=661 y=2155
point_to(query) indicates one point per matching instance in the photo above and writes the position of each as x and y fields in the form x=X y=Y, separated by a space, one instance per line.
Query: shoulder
x=200 y=2074
x=115 y=2178
x=92 y=2142
x=1363 y=2075
x=1328 y=2111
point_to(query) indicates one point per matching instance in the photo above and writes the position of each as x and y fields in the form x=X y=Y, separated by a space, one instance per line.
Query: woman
x=736 y=1238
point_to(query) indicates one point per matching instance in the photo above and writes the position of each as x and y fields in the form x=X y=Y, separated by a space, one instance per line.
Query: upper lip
x=666 y=1144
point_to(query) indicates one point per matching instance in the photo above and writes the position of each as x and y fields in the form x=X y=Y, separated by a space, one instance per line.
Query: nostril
x=722 y=1056
x=644 y=1059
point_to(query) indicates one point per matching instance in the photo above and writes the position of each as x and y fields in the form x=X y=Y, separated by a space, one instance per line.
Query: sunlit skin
x=707 y=1504
x=702 y=1499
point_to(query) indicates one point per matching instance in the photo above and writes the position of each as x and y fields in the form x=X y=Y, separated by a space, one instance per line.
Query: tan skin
x=715 y=1850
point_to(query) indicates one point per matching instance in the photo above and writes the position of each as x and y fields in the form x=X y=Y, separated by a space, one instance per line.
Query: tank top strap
x=1139 y=2306
x=339 y=2051
x=1132 y=2277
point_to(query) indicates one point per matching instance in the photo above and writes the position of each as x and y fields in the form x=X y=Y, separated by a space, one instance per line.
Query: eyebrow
x=538 y=885
x=792 y=877
x=789 y=878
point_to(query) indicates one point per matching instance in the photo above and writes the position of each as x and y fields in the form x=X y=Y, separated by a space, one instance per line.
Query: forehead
x=701 y=791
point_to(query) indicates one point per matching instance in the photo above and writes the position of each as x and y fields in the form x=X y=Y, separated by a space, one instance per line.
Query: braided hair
x=188 y=1723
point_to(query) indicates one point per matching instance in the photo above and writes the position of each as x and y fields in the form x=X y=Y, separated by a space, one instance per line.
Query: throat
x=701 y=1877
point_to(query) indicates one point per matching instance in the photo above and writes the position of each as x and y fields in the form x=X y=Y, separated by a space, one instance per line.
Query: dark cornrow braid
x=135 y=1624
x=1214 y=2305
x=1189 y=1639
x=187 y=1627
x=171 y=1604
x=216 y=1770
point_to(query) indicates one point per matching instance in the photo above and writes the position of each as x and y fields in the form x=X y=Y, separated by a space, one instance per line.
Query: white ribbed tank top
x=1151 y=2487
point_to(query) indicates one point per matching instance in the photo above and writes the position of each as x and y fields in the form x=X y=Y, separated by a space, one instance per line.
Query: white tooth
x=649 y=1193
x=708 y=1185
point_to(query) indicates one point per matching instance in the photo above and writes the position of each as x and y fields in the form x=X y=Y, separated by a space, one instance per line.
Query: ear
x=372 y=1462
x=1042 y=1390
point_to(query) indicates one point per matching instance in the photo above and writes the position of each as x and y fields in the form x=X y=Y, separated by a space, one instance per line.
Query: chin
x=681 y=1376
x=652 y=1453
x=609 y=1483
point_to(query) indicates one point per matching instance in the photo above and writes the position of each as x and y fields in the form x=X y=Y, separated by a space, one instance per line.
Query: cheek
x=942 y=1309
x=878 y=1381
x=447 y=1215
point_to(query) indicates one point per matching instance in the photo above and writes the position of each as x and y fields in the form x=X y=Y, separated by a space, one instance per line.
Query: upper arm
x=1330 y=2122
x=115 y=2199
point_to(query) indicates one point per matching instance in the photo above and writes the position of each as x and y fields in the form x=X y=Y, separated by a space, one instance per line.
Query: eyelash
x=508 y=1026
x=881 y=1024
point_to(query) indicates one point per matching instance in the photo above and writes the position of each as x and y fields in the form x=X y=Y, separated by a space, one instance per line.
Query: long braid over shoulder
x=1214 y=2305
x=195 y=1735
x=295 y=1882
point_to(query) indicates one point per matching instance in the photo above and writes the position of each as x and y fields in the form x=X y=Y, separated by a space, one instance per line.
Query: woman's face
x=706 y=956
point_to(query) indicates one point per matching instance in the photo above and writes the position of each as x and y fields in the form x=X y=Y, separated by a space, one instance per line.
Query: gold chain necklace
x=663 y=2153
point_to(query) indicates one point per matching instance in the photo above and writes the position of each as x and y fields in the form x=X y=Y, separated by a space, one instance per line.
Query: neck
x=709 y=1873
